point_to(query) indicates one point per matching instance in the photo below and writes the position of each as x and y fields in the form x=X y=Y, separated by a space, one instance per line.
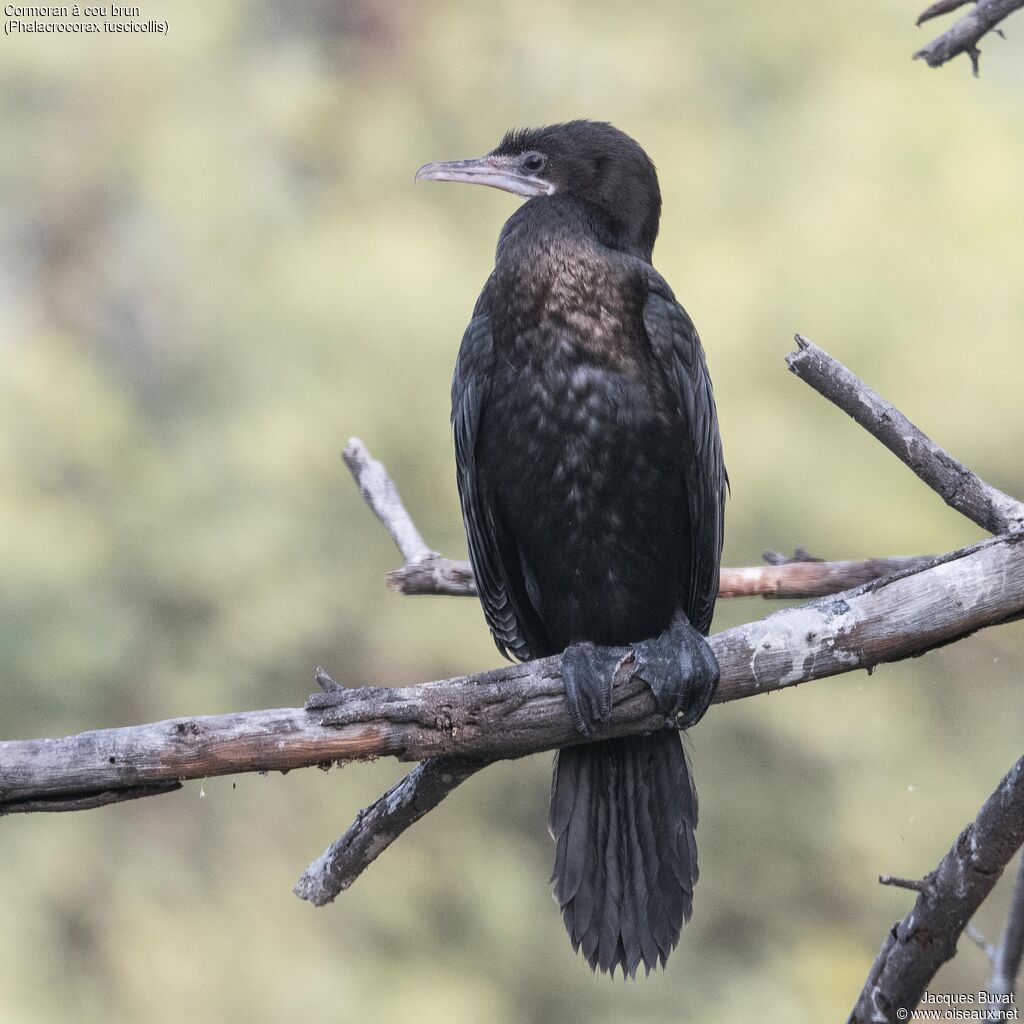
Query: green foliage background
x=216 y=268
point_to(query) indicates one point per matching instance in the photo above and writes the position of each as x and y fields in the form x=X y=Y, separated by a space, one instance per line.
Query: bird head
x=589 y=160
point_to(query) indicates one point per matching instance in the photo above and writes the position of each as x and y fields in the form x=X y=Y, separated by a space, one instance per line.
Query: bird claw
x=589 y=674
x=681 y=670
x=679 y=666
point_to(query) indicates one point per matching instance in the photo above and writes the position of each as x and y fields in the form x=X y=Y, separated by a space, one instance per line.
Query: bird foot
x=589 y=674
x=679 y=666
x=681 y=670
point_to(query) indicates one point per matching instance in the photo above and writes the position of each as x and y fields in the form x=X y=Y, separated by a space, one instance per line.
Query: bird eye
x=533 y=162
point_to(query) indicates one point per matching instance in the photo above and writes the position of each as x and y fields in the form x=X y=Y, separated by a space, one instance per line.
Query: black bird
x=592 y=485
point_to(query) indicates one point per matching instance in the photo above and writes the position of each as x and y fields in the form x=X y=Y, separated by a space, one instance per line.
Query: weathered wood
x=791 y=580
x=966 y=32
x=87 y=801
x=434 y=575
x=381 y=494
x=427 y=572
x=1007 y=955
x=803 y=579
x=927 y=937
x=379 y=825
x=958 y=486
x=349 y=856
x=521 y=709
x=939 y=8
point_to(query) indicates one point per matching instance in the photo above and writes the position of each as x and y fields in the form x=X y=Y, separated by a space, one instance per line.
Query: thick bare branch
x=927 y=937
x=801 y=576
x=958 y=486
x=521 y=709
x=966 y=32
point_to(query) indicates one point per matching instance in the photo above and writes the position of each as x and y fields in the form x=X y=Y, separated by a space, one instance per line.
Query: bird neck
x=552 y=222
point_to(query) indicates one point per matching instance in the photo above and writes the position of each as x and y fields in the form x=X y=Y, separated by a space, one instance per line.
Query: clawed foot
x=681 y=670
x=679 y=667
x=589 y=674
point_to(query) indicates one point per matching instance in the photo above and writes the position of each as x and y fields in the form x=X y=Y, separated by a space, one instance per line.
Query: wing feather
x=496 y=564
x=677 y=346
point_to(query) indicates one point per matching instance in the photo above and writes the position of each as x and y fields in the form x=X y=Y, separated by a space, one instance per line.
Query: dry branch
x=799 y=576
x=434 y=575
x=379 y=825
x=966 y=32
x=521 y=709
x=958 y=486
x=927 y=937
x=1007 y=955
x=456 y=726
x=790 y=580
x=427 y=572
x=941 y=7
x=381 y=494
x=88 y=800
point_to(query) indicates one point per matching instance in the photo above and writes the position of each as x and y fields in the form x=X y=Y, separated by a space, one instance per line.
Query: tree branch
x=812 y=578
x=965 y=33
x=958 y=486
x=85 y=801
x=927 y=937
x=917 y=884
x=379 y=825
x=1007 y=955
x=794 y=579
x=941 y=7
x=521 y=709
x=381 y=494
x=800 y=576
x=427 y=572
x=434 y=575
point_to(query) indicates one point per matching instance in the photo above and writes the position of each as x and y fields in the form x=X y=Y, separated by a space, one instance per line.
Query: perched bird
x=592 y=486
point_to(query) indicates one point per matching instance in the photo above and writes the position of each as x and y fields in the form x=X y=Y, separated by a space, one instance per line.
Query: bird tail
x=623 y=815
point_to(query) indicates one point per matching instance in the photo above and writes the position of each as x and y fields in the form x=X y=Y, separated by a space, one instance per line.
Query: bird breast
x=581 y=445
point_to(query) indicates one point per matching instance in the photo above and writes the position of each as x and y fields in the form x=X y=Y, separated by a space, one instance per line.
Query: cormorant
x=592 y=487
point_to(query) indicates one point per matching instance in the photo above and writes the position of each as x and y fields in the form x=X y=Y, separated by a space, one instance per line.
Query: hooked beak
x=495 y=171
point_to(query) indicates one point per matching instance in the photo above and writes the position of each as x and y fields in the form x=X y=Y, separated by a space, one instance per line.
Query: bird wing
x=496 y=563
x=677 y=347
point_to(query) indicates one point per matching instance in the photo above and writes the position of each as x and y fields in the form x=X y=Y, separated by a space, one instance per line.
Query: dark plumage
x=592 y=487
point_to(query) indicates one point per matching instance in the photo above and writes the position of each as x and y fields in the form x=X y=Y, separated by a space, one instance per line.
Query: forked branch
x=966 y=32
x=521 y=709
x=926 y=938
x=427 y=572
x=379 y=825
x=455 y=726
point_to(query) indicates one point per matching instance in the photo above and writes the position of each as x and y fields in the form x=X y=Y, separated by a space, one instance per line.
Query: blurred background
x=216 y=268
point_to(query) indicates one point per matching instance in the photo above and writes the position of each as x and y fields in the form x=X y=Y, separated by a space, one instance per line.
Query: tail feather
x=593 y=880
x=635 y=892
x=616 y=855
x=570 y=807
x=647 y=815
x=623 y=815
